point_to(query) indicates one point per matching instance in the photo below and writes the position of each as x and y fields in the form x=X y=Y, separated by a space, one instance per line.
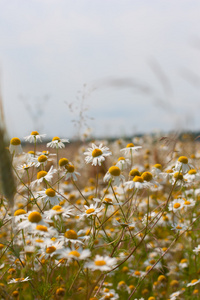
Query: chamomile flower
x=123 y=163
x=137 y=183
x=183 y=165
x=49 y=195
x=57 y=142
x=192 y=175
x=56 y=211
x=96 y=155
x=43 y=175
x=91 y=210
x=102 y=263
x=25 y=167
x=15 y=146
x=72 y=236
x=75 y=253
x=71 y=173
x=196 y=249
x=19 y=280
x=130 y=149
x=51 y=249
x=39 y=161
x=176 y=205
x=114 y=174
x=193 y=282
x=34 y=137
x=33 y=218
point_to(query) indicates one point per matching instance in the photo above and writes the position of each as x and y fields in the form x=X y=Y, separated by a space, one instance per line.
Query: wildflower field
x=100 y=220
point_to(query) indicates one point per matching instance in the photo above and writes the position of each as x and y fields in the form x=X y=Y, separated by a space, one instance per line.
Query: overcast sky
x=136 y=63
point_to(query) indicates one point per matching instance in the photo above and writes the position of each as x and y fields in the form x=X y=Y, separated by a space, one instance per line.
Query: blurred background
x=119 y=68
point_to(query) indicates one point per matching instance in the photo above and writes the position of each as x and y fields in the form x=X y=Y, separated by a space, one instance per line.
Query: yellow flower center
x=138 y=179
x=34 y=217
x=56 y=138
x=152 y=261
x=134 y=172
x=183 y=159
x=70 y=168
x=178 y=176
x=184 y=260
x=194 y=280
x=15 y=141
x=57 y=208
x=161 y=278
x=90 y=211
x=147 y=176
x=71 y=234
x=115 y=171
x=129 y=145
x=137 y=273
x=107 y=200
x=96 y=152
x=34 y=133
x=74 y=253
x=177 y=205
x=192 y=172
x=42 y=158
x=158 y=166
x=187 y=202
x=50 y=192
x=169 y=171
x=178 y=227
x=19 y=212
x=31 y=152
x=39 y=241
x=41 y=174
x=63 y=162
x=50 y=249
x=121 y=158
x=100 y=263
x=41 y=228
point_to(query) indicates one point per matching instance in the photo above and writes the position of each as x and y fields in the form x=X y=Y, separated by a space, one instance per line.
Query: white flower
x=96 y=154
x=130 y=148
x=123 y=163
x=192 y=176
x=91 y=210
x=183 y=165
x=49 y=195
x=114 y=174
x=32 y=219
x=57 y=142
x=71 y=173
x=196 y=249
x=77 y=254
x=176 y=204
x=137 y=183
x=15 y=146
x=193 y=282
x=34 y=137
x=57 y=211
x=25 y=167
x=17 y=280
x=43 y=175
x=102 y=263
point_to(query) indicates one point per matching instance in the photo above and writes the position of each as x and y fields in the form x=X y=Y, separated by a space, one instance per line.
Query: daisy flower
x=137 y=183
x=34 y=137
x=96 y=155
x=102 y=263
x=176 y=204
x=183 y=165
x=130 y=148
x=58 y=210
x=57 y=142
x=19 y=280
x=196 y=249
x=15 y=146
x=123 y=163
x=54 y=248
x=91 y=210
x=49 y=195
x=193 y=282
x=77 y=254
x=72 y=236
x=32 y=219
x=192 y=175
x=43 y=175
x=39 y=161
x=71 y=173
x=114 y=174
x=189 y=203
x=25 y=167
